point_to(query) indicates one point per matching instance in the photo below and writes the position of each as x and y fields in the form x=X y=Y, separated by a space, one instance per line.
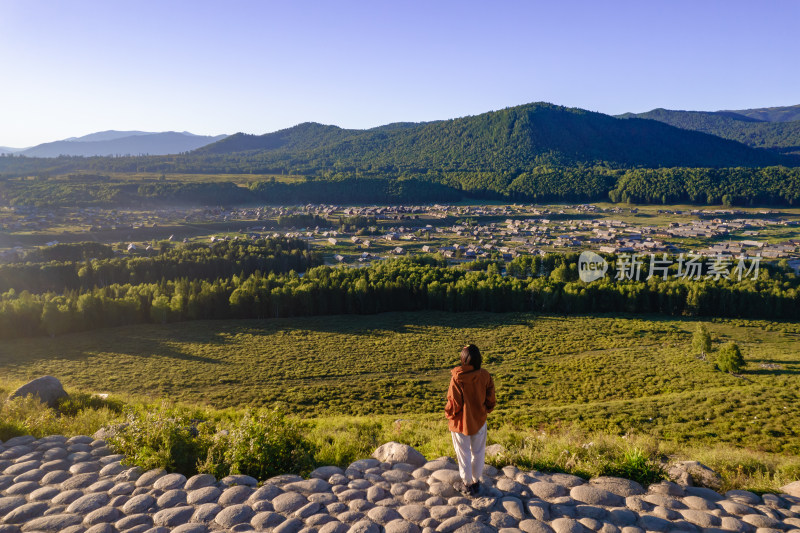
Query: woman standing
x=470 y=398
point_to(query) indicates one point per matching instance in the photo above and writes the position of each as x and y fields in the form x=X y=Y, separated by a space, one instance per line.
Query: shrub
x=263 y=444
x=701 y=341
x=729 y=358
x=77 y=402
x=162 y=438
x=635 y=464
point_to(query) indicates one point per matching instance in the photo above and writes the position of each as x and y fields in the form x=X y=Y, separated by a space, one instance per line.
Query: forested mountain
x=112 y=143
x=779 y=136
x=539 y=152
x=772 y=114
x=511 y=139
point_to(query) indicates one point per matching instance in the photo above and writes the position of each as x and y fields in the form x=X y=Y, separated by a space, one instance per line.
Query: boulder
x=493 y=450
x=792 y=489
x=692 y=473
x=394 y=452
x=47 y=388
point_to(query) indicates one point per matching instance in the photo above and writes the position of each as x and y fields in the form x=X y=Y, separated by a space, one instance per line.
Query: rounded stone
x=383 y=515
x=80 y=481
x=97 y=528
x=85 y=467
x=241 y=479
x=617 y=485
x=54 y=522
x=307 y=510
x=21 y=467
x=88 y=503
x=442 y=512
x=401 y=526
x=138 y=504
x=171 y=498
x=534 y=526
x=700 y=518
x=235 y=495
x=325 y=472
x=546 y=490
x=291 y=525
x=126 y=487
x=206 y=512
x=203 y=495
x=111 y=469
x=761 y=521
x=199 y=481
x=102 y=515
x=264 y=492
x=234 y=514
x=415 y=495
x=334 y=527
x=308 y=486
x=596 y=496
x=567 y=525
x=134 y=520
x=42 y=494
x=350 y=517
x=364 y=526
x=446 y=476
x=266 y=520
x=288 y=502
x=174 y=516
x=452 y=524
x=25 y=512
x=148 y=478
x=66 y=497
x=415 y=513
x=190 y=528
x=22 y=489
x=55 y=477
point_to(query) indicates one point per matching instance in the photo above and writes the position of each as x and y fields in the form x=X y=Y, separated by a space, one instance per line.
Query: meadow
x=612 y=374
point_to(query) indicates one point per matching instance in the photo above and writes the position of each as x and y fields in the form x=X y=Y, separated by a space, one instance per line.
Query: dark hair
x=471 y=355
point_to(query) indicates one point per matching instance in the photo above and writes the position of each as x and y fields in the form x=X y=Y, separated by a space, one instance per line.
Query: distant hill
x=771 y=114
x=113 y=143
x=510 y=140
x=108 y=135
x=783 y=137
x=7 y=150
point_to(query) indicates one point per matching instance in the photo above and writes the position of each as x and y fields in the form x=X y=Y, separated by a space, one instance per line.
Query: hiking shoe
x=462 y=488
x=474 y=489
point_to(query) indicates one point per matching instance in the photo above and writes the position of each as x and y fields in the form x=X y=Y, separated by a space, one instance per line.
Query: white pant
x=470 y=452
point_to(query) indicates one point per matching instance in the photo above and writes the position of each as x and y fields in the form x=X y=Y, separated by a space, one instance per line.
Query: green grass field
x=610 y=374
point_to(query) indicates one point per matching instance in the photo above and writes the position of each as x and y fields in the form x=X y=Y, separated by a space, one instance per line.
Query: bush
x=701 y=341
x=263 y=444
x=162 y=438
x=77 y=402
x=636 y=465
x=729 y=358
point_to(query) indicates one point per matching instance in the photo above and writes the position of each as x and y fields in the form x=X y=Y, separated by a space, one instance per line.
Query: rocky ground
x=79 y=485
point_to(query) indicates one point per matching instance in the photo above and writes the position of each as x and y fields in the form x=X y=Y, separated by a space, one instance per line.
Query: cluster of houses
x=459 y=233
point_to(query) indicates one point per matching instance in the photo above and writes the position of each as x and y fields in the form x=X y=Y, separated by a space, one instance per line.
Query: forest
x=739 y=186
x=227 y=282
x=781 y=137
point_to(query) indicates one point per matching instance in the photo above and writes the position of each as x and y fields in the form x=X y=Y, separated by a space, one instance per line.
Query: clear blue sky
x=210 y=67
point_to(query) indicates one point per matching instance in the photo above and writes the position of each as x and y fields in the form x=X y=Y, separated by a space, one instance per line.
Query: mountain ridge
x=780 y=137
x=113 y=143
x=512 y=138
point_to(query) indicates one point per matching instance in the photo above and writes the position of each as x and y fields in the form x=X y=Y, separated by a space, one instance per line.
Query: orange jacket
x=470 y=398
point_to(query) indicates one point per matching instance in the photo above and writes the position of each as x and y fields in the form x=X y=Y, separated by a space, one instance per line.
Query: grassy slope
x=604 y=373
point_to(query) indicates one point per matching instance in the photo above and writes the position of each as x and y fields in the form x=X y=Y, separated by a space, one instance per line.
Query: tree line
x=738 y=186
x=69 y=267
x=531 y=284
